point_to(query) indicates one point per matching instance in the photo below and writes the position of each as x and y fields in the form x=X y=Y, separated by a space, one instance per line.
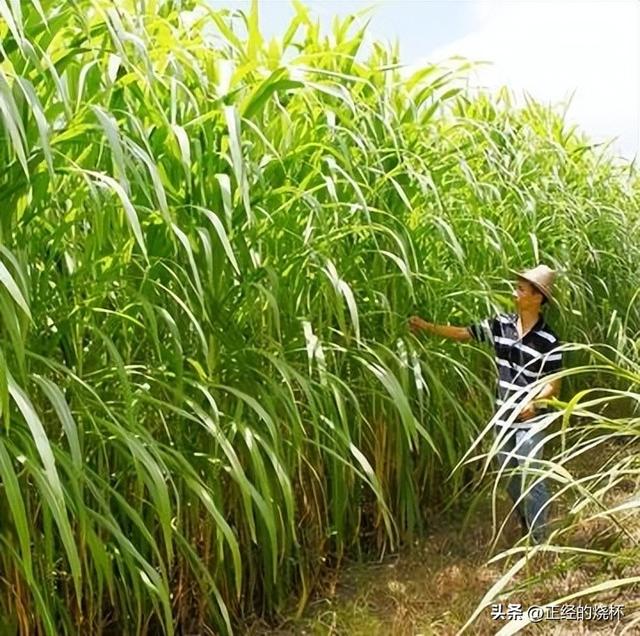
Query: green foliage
x=210 y=245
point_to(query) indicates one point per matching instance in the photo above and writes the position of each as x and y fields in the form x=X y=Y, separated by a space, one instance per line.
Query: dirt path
x=430 y=588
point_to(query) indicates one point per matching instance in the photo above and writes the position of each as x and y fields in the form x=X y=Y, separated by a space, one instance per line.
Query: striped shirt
x=520 y=361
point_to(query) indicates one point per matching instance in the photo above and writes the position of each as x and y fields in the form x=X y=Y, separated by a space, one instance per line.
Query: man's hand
x=549 y=391
x=416 y=324
x=528 y=412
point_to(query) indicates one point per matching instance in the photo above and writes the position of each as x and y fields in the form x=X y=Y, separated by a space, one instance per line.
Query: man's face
x=526 y=296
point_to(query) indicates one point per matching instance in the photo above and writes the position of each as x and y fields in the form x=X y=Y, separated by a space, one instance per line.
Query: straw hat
x=541 y=277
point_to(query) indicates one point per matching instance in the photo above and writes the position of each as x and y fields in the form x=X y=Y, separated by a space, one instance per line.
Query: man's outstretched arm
x=417 y=324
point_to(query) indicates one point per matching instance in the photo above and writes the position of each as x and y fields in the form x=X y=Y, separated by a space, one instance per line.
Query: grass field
x=209 y=247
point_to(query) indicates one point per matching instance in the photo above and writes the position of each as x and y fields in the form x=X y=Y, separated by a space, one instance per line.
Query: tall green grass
x=210 y=244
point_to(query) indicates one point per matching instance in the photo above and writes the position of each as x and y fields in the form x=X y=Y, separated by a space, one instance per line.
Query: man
x=525 y=352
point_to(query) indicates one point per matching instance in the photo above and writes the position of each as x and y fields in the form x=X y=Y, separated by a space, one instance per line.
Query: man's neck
x=526 y=321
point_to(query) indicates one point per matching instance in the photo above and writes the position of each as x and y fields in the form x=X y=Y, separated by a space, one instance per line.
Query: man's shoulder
x=546 y=332
x=505 y=318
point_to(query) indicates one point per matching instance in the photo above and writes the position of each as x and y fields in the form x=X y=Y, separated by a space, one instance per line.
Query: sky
x=585 y=51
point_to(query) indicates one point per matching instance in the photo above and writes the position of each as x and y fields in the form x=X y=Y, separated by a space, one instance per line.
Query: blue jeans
x=519 y=450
